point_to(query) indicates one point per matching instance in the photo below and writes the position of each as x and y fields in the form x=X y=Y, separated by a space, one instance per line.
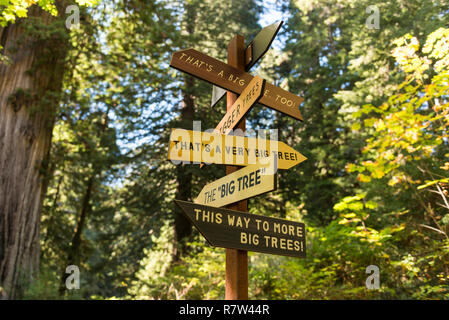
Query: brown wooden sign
x=223 y=75
x=241 y=106
x=239 y=230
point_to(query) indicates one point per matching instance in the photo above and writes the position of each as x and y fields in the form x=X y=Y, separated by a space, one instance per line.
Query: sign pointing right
x=204 y=147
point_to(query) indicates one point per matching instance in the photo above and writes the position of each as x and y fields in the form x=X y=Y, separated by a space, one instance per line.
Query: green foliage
x=13 y=9
x=46 y=288
x=200 y=275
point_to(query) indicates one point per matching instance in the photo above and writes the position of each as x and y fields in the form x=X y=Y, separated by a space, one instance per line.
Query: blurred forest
x=85 y=118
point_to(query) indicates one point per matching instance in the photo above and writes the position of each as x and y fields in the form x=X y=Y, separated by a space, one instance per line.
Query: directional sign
x=242 y=184
x=217 y=94
x=227 y=77
x=197 y=147
x=239 y=230
x=253 y=52
x=242 y=105
x=262 y=42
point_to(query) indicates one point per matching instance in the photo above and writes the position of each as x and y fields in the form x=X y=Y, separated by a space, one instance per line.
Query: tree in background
x=31 y=74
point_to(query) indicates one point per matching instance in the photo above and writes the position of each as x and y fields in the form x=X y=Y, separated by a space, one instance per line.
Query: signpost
x=253 y=53
x=198 y=147
x=236 y=279
x=232 y=227
x=235 y=80
x=239 y=230
x=245 y=183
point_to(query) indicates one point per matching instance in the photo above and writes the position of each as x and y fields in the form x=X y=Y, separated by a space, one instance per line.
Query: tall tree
x=31 y=74
x=30 y=85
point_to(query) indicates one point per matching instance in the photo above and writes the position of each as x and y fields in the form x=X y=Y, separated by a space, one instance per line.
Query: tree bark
x=29 y=88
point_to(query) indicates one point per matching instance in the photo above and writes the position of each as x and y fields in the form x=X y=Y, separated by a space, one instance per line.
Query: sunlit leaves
x=13 y=9
x=407 y=129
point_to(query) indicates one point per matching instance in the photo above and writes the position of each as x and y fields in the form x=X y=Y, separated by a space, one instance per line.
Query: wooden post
x=236 y=260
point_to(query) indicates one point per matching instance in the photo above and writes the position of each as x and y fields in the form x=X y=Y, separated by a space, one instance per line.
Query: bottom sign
x=240 y=230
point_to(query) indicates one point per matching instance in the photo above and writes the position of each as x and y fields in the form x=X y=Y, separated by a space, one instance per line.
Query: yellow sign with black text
x=189 y=146
x=242 y=184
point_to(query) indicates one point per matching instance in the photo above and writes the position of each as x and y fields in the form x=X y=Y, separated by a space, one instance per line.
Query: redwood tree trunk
x=29 y=88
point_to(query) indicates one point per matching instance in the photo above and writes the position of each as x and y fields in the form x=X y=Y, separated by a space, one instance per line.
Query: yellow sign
x=242 y=105
x=196 y=147
x=242 y=184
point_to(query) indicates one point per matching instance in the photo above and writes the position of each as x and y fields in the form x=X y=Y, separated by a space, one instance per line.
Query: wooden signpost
x=197 y=147
x=232 y=227
x=235 y=80
x=239 y=230
x=243 y=184
x=236 y=280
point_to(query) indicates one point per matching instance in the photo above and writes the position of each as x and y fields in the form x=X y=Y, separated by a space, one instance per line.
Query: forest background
x=86 y=109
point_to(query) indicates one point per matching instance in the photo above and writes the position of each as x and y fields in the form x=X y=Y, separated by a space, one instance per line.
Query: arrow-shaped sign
x=227 y=77
x=196 y=147
x=239 y=230
x=242 y=184
x=242 y=105
x=253 y=52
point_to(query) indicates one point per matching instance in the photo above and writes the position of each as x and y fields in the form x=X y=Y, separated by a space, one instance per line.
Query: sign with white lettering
x=242 y=184
x=197 y=147
x=227 y=77
x=241 y=106
x=239 y=230
x=253 y=52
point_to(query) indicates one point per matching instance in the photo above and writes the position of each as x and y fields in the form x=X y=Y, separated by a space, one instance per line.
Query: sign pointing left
x=244 y=231
x=242 y=184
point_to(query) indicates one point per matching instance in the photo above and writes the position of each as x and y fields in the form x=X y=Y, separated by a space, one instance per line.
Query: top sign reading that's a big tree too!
x=227 y=77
